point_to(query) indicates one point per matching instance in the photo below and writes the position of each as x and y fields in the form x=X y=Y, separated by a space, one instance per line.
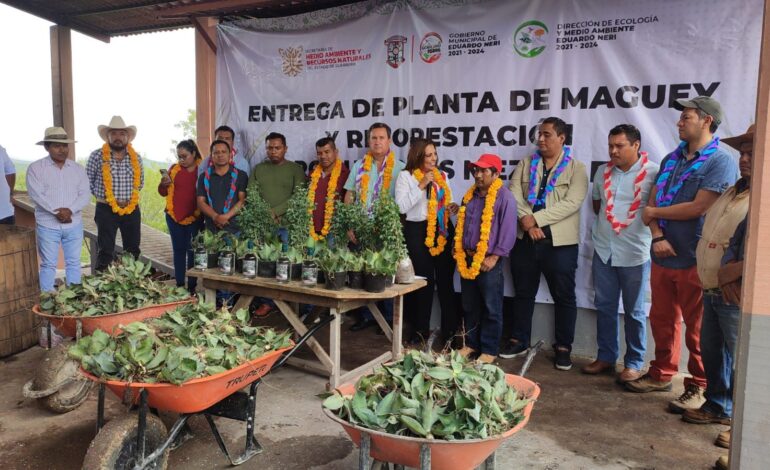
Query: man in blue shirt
x=227 y=134
x=690 y=180
x=621 y=262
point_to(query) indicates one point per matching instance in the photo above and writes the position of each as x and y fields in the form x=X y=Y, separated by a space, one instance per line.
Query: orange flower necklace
x=390 y=160
x=330 y=192
x=435 y=245
x=470 y=272
x=170 y=200
x=109 y=196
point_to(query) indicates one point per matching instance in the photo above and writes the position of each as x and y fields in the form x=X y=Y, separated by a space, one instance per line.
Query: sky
x=148 y=79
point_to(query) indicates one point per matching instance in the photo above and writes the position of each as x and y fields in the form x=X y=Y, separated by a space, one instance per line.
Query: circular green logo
x=530 y=37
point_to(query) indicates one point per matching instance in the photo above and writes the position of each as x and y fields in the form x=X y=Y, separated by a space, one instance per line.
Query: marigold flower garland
x=170 y=200
x=390 y=161
x=472 y=271
x=435 y=245
x=330 y=192
x=109 y=196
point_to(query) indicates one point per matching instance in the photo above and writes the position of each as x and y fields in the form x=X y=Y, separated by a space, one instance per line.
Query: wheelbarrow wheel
x=58 y=371
x=114 y=448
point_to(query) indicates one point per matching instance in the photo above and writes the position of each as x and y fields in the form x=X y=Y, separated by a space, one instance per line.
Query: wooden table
x=338 y=302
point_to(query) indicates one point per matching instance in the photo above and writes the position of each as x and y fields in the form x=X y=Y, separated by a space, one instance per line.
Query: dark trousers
x=181 y=244
x=558 y=264
x=10 y=220
x=439 y=272
x=483 y=307
x=107 y=224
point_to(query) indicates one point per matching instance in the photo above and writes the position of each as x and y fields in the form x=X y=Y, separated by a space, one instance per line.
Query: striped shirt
x=51 y=188
x=122 y=176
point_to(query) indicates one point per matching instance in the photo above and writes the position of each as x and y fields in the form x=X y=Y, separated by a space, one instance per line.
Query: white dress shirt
x=51 y=188
x=412 y=200
x=6 y=168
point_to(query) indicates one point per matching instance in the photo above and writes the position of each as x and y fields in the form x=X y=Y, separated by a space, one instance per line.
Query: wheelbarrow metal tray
x=67 y=325
x=445 y=455
x=197 y=394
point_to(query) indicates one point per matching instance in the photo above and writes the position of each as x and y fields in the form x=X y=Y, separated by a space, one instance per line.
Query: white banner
x=477 y=77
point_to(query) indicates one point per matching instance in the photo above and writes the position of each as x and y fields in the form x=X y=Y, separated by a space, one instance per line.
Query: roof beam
x=97 y=11
x=215 y=7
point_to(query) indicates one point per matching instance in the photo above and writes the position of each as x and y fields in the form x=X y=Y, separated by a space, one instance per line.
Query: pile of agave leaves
x=191 y=341
x=428 y=395
x=122 y=286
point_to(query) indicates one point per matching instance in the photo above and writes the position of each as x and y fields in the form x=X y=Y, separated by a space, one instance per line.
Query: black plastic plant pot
x=388 y=281
x=336 y=281
x=375 y=282
x=266 y=269
x=296 y=271
x=213 y=260
x=321 y=277
x=239 y=265
x=356 y=279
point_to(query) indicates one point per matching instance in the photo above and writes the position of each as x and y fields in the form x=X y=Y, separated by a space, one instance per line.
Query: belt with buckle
x=712 y=291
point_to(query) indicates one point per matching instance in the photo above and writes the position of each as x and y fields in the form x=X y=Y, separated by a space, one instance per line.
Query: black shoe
x=513 y=349
x=562 y=360
x=362 y=325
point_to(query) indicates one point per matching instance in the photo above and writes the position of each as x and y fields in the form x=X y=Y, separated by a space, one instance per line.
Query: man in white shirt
x=6 y=188
x=59 y=188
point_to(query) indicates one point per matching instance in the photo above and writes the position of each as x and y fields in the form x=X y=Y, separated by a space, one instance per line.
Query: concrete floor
x=580 y=422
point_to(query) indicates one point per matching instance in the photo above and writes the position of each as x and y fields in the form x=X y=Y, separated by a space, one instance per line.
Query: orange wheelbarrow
x=435 y=454
x=57 y=385
x=140 y=441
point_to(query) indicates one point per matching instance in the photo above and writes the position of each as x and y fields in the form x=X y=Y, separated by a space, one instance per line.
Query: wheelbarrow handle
x=531 y=353
x=323 y=321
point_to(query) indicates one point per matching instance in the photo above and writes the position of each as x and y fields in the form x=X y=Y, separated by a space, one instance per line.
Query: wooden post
x=61 y=81
x=205 y=80
x=751 y=414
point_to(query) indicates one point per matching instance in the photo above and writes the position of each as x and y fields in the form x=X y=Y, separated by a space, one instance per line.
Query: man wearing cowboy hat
x=117 y=198
x=59 y=188
x=720 y=279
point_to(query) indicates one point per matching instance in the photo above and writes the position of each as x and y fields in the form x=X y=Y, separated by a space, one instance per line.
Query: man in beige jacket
x=549 y=188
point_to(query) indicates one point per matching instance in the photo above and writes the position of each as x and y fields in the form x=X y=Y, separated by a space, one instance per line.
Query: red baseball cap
x=489 y=160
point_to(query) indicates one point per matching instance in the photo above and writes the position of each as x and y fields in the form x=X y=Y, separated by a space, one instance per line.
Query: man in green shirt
x=277 y=177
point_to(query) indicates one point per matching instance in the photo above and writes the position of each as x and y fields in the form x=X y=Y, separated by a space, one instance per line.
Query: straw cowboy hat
x=57 y=135
x=738 y=140
x=116 y=123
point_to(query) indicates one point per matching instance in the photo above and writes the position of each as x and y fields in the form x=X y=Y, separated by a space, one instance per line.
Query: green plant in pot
x=297 y=219
x=354 y=264
x=296 y=257
x=352 y=217
x=378 y=268
x=242 y=246
x=256 y=217
x=268 y=254
x=333 y=267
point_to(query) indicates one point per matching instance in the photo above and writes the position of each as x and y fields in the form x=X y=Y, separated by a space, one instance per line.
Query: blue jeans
x=718 y=340
x=558 y=264
x=48 y=242
x=181 y=244
x=482 y=300
x=386 y=308
x=609 y=283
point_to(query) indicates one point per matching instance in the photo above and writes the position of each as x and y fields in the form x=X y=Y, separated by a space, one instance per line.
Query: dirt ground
x=580 y=422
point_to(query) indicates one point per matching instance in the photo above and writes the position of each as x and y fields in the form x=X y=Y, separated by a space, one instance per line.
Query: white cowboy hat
x=116 y=123
x=56 y=134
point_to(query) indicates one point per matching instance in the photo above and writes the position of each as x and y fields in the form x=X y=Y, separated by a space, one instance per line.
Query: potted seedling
x=331 y=263
x=354 y=264
x=207 y=246
x=378 y=268
x=268 y=254
x=295 y=257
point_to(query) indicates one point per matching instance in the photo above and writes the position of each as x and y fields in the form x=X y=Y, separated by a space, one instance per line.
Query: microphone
x=428 y=188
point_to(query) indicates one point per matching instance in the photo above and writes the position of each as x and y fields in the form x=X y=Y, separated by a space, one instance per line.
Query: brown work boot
x=628 y=375
x=701 y=416
x=722 y=463
x=646 y=383
x=598 y=367
x=691 y=399
x=486 y=358
x=723 y=439
x=466 y=351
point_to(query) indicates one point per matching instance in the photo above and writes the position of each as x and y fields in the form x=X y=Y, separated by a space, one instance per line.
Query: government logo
x=395 y=45
x=530 y=38
x=430 y=47
x=292 y=60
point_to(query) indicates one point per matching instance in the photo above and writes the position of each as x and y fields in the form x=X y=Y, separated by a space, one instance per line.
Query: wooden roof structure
x=104 y=19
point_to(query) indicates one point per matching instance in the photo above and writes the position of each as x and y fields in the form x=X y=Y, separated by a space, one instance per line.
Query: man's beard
x=118 y=146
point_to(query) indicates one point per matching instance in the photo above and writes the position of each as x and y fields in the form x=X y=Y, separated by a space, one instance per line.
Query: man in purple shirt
x=481 y=278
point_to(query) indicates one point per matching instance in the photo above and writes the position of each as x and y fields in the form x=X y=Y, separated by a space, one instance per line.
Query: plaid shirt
x=122 y=176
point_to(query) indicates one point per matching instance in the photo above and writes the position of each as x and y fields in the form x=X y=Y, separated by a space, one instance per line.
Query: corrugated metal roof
x=104 y=19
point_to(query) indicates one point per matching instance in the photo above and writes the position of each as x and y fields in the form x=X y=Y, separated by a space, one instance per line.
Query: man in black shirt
x=221 y=190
